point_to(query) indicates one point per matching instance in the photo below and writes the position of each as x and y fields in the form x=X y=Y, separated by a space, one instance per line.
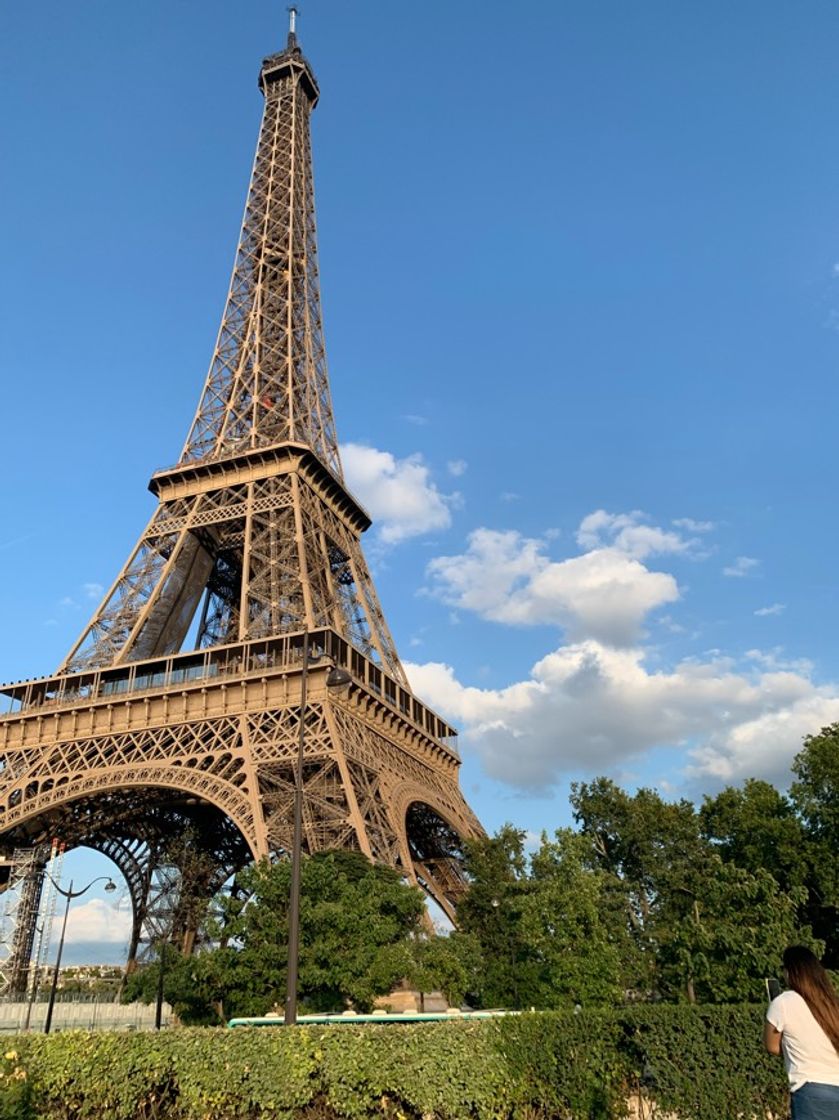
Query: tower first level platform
x=90 y=755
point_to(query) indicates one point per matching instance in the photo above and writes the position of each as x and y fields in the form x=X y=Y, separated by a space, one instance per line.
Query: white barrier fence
x=82 y=1016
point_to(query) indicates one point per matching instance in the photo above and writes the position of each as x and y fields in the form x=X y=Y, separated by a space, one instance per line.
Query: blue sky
x=580 y=270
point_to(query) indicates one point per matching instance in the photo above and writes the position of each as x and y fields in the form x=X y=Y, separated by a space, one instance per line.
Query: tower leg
x=24 y=939
x=22 y=880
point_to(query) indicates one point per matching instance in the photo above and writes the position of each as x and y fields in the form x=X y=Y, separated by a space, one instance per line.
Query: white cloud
x=399 y=493
x=694 y=526
x=589 y=708
x=503 y=577
x=765 y=745
x=776 y=659
x=600 y=700
x=98 y=920
x=629 y=533
x=776 y=608
x=457 y=467
x=741 y=567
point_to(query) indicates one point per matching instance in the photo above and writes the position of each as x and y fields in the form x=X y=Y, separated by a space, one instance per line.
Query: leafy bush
x=15 y=1088
x=698 y=1064
x=704 y=1063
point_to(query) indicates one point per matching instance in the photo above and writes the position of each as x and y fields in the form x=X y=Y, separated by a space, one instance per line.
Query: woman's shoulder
x=785 y=1004
x=788 y=998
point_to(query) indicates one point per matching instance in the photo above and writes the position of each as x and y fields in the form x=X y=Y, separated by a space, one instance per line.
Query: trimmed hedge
x=697 y=1063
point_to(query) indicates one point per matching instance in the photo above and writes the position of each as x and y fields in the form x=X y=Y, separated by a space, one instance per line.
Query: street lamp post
x=69 y=894
x=336 y=678
x=161 y=964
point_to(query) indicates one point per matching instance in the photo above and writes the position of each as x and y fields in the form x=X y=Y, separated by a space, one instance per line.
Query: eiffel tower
x=167 y=739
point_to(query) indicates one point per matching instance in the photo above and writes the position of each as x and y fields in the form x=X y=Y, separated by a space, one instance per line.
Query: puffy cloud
x=594 y=703
x=457 y=467
x=587 y=707
x=505 y=577
x=765 y=745
x=399 y=493
x=98 y=920
x=629 y=533
x=776 y=608
x=741 y=567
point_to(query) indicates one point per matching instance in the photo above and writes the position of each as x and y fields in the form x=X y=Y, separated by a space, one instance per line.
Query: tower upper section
x=268 y=381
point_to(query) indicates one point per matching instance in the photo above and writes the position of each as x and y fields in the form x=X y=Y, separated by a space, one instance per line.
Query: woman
x=803 y=1025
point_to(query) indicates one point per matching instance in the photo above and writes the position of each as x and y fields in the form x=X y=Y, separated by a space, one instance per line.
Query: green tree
x=354 y=916
x=537 y=924
x=564 y=922
x=757 y=828
x=698 y=928
x=719 y=936
x=357 y=923
x=195 y=987
x=815 y=794
x=646 y=847
x=491 y=913
x=451 y=964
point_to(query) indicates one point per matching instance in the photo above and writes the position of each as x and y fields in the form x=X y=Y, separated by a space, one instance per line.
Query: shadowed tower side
x=178 y=711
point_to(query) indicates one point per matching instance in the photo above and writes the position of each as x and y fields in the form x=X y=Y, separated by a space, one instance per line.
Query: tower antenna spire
x=292 y=25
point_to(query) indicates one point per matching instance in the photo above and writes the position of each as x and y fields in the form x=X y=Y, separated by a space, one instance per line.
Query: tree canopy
x=645 y=899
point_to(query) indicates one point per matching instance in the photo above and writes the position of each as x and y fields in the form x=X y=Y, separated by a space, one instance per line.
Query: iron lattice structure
x=177 y=712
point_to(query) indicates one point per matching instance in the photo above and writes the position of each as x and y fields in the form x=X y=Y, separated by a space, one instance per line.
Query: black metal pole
x=34 y=978
x=296 y=851
x=161 y=964
x=51 y=1004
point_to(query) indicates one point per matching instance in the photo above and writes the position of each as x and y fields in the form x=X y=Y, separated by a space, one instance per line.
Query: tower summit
x=168 y=737
x=268 y=381
x=280 y=558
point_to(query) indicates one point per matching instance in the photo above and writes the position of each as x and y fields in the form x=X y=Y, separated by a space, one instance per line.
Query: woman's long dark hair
x=807 y=976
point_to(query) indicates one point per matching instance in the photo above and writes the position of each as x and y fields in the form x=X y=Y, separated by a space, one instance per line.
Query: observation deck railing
x=217 y=664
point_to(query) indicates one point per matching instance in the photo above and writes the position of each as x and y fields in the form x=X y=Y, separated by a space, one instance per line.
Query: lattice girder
x=230 y=740
x=268 y=380
x=272 y=555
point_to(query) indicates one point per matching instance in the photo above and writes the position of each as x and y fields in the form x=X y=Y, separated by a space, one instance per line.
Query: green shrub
x=696 y=1063
x=15 y=1087
x=704 y=1063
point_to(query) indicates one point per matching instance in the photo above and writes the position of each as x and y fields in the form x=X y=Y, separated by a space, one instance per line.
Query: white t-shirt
x=808 y=1052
